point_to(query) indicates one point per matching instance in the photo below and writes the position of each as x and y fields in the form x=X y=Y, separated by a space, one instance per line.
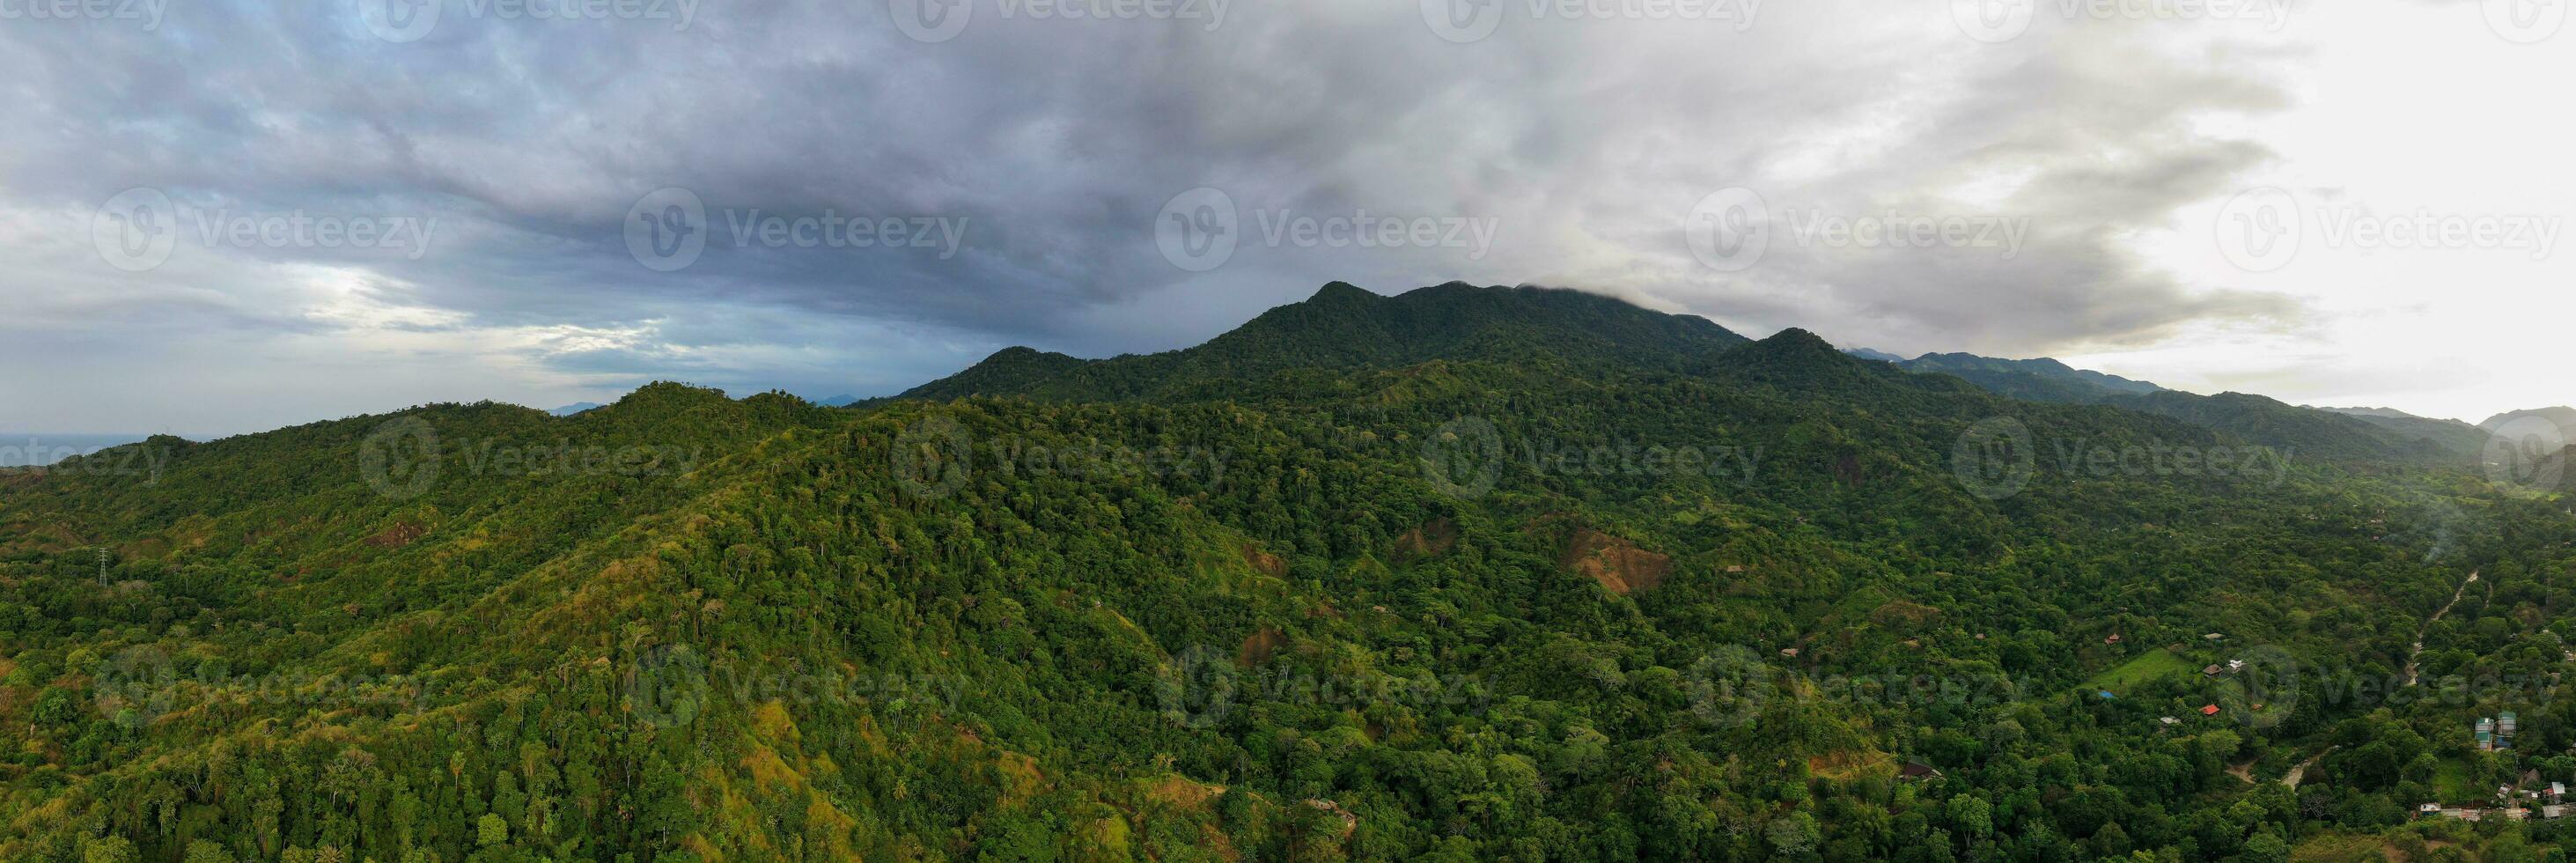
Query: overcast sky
x=226 y=217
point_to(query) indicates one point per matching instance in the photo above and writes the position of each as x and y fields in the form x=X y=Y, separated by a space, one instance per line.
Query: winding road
x=2428 y=626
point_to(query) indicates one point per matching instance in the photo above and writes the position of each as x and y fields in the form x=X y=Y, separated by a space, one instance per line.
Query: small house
x=2113 y=638
x=2211 y=671
x=2211 y=710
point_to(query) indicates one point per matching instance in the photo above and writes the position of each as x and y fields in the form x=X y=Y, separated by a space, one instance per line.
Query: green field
x=2452 y=783
x=2148 y=666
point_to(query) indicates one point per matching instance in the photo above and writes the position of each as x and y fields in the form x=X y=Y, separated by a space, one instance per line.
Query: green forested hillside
x=2040 y=379
x=1463 y=574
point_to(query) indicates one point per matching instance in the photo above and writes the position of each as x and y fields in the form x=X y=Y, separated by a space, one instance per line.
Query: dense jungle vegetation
x=1466 y=574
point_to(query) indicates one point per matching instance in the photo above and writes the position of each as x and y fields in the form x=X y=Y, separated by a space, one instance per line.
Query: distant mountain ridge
x=1974 y=367
x=2038 y=379
x=2392 y=413
x=1344 y=327
x=2378 y=432
x=2564 y=416
x=1576 y=532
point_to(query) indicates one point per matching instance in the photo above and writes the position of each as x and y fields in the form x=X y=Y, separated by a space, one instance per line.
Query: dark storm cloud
x=1040 y=152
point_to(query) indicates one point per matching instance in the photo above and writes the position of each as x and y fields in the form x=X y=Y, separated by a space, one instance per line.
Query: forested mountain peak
x=1374 y=578
x=1343 y=327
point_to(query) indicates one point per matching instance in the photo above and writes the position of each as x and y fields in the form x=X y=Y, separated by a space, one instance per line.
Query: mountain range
x=1460 y=574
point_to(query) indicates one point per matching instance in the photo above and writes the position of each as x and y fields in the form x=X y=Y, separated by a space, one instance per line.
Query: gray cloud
x=1054 y=144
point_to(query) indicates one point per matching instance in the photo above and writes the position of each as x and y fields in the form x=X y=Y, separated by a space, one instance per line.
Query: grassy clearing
x=2151 y=665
